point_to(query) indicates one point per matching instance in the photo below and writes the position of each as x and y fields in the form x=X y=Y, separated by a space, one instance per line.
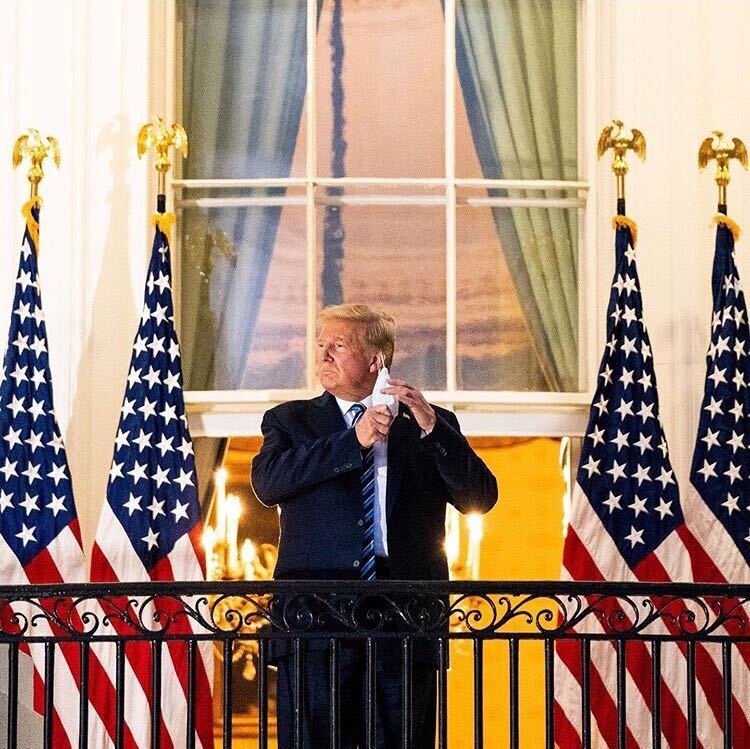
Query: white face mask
x=382 y=399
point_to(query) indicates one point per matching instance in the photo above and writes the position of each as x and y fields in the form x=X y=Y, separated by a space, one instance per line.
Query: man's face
x=345 y=368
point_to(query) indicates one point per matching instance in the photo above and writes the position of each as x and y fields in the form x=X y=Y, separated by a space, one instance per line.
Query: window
x=419 y=155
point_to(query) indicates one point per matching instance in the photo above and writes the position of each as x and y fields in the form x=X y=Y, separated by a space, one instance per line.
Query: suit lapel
x=326 y=416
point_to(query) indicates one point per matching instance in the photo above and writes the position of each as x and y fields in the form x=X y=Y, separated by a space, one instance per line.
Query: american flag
x=627 y=524
x=150 y=523
x=40 y=540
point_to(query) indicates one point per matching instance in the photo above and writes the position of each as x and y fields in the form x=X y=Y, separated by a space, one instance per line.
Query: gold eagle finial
x=161 y=137
x=718 y=147
x=621 y=139
x=36 y=148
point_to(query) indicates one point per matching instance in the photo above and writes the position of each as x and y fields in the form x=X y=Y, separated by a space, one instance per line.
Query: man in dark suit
x=363 y=494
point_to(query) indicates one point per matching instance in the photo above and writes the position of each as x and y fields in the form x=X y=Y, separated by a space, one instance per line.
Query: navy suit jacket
x=310 y=465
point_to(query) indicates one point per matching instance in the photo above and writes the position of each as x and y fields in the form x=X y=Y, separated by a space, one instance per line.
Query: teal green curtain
x=517 y=64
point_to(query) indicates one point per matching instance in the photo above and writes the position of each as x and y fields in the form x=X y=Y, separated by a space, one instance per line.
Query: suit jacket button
x=356 y=564
x=360 y=523
x=348 y=465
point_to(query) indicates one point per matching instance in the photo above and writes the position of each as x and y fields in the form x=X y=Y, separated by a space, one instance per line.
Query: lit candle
x=452 y=537
x=247 y=555
x=220 y=479
x=476 y=532
x=233 y=510
x=209 y=542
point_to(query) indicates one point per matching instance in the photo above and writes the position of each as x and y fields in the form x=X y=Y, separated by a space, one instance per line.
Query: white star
x=121 y=440
x=133 y=504
x=38 y=315
x=613 y=502
x=165 y=445
x=646 y=412
x=717 y=376
x=13 y=437
x=36 y=409
x=145 y=314
x=140 y=345
x=665 y=477
x=174 y=350
x=180 y=511
x=156 y=345
x=138 y=472
x=597 y=435
x=736 y=410
x=9 y=469
x=16 y=406
x=148 y=408
x=184 y=479
x=612 y=345
x=735 y=441
x=162 y=282
x=618 y=284
x=127 y=408
x=30 y=503
x=645 y=351
x=56 y=505
x=57 y=473
x=747 y=538
x=168 y=413
x=153 y=377
x=150 y=283
x=39 y=346
x=628 y=346
x=722 y=345
x=26 y=534
x=151 y=538
x=739 y=316
x=708 y=470
x=156 y=508
x=24 y=279
x=627 y=377
x=159 y=314
x=134 y=376
x=601 y=404
x=592 y=466
x=714 y=407
x=143 y=440
x=23 y=311
x=732 y=473
x=629 y=315
x=56 y=443
x=172 y=380
x=663 y=508
x=19 y=374
x=728 y=284
x=641 y=474
x=115 y=472
x=644 y=443
x=34 y=441
x=606 y=375
x=629 y=284
x=716 y=321
x=738 y=379
x=731 y=504
x=187 y=449
x=635 y=537
x=711 y=439
x=739 y=348
x=6 y=501
x=161 y=476
x=617 y=471
x=621 y=440
x=638 y=506
x=32 y=473
x=630 y=254
x=38 y=377
x=625 y=408
x=617 y=314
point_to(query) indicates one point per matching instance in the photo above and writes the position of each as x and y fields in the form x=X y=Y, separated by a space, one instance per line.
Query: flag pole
x=718 y=147
x=619 y=138
x=157 y=135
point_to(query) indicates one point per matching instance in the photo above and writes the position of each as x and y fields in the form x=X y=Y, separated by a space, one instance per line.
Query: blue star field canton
x=624 y=469
x=36 y=496
x=152 y=485
x=720 y=470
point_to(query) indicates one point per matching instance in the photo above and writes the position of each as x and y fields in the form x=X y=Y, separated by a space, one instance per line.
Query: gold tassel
x=163 y=222
x=721 y=219
x=624 y=222
x=31 y=223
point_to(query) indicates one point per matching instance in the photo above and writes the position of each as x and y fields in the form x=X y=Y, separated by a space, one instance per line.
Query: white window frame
x=230 y=413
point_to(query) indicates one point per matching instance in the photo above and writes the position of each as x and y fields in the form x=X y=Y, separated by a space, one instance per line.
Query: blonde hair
x=379 y=327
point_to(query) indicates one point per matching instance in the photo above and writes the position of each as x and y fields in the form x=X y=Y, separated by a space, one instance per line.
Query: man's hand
x=422 y=411
x=373 y=426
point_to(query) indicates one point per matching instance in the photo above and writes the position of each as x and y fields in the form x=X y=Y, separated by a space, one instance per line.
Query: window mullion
x=450 y=194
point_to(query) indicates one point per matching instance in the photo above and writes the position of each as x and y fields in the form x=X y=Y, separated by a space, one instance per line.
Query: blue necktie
x=367 y=483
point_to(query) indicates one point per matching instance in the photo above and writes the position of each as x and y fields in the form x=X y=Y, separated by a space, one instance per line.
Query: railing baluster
x=586 y=693
x=49 y=691
x=478 y=693
x=333 y=712
x=549 y=692
x=726 y=659
x=513 y=677
x=298 y=693
x=443 y=693
x=656 y=694
x=83 y=704
x=406 y=696
x=120 y=694
x=12 y=694
x=370 y=656
x=263 y=694
x=227 y=652
x=190 y=727
x=622 y=705
x=691 y=716
x=155 y=694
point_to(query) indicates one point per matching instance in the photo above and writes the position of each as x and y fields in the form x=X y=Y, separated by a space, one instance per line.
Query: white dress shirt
x=380 y=466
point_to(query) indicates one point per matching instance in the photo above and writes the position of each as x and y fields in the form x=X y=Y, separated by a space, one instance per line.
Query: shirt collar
x=346 y=405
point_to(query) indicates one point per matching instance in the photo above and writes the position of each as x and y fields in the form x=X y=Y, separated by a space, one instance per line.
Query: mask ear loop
x=382 y=361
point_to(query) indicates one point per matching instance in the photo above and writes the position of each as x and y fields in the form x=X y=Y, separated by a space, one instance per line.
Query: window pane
x=516 y=101
x=243 y=298
x=380 y=89
x=243 y=87
x=517 y=305
x=392 y=257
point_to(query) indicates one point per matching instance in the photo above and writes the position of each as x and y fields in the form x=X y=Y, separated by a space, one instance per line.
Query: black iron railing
x=409 y=614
